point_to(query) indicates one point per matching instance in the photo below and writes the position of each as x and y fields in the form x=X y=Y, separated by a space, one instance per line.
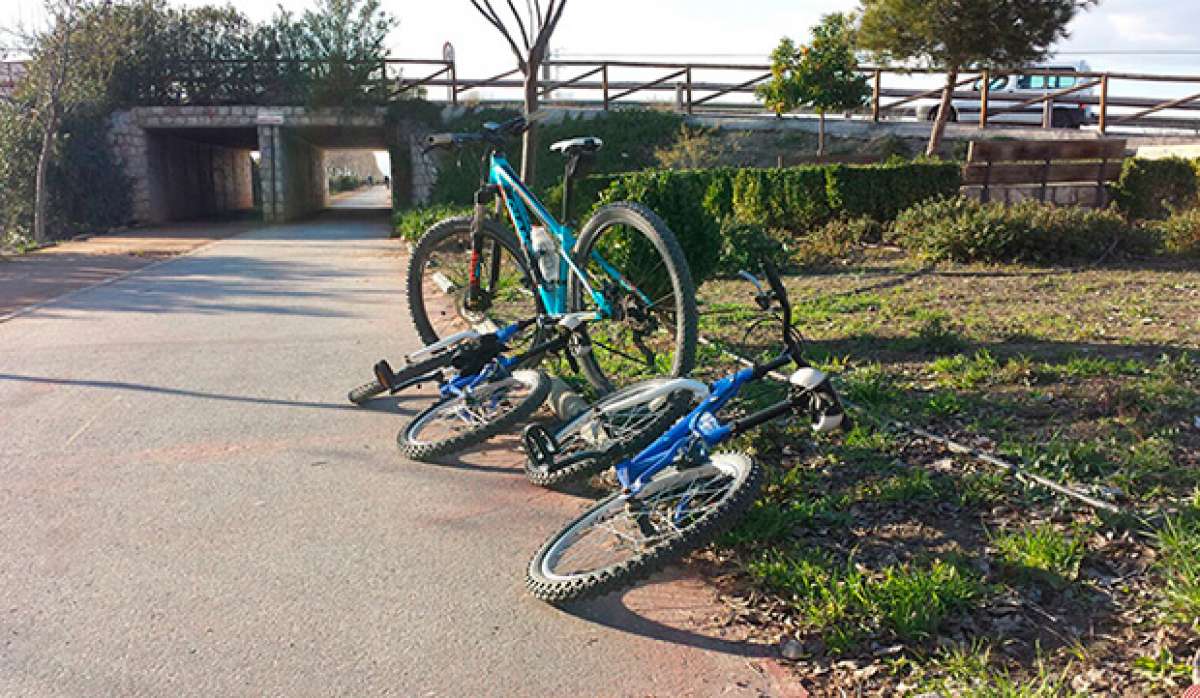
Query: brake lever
x=764 y=298
x=752 y=279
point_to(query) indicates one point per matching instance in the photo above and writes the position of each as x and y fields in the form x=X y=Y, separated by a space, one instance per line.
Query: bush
x=833 y=241
x=881 y=192
x=679 y=198
x=340 y=183
x=412 y=223
x=1181 y=233
x=792 y=199
x=745 y=245
x=964 y=230
x=86 y=188
x=1155 y=188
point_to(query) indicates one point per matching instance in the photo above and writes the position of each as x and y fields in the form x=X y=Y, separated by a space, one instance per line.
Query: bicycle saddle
x=585 y=144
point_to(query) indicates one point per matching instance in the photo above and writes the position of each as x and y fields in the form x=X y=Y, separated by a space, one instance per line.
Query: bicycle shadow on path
x=677 y=605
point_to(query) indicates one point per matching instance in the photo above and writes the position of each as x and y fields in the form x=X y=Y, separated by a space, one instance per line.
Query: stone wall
x=293 y=175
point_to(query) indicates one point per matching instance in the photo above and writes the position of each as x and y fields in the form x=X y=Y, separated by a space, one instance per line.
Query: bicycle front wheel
x=623 y=539
x=438 y=275
x=630 y=255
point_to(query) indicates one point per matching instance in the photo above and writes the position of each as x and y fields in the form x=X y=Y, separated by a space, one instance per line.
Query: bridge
x=189 y=151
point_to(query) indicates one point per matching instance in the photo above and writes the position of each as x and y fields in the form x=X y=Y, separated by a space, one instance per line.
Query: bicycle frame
x=700 y=427
x=523 y=207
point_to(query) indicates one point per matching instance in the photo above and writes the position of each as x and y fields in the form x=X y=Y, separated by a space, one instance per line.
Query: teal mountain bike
x=625 y=266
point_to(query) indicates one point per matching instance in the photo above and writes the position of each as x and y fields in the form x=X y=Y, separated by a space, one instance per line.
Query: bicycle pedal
x=385 y=375
x=540 y=446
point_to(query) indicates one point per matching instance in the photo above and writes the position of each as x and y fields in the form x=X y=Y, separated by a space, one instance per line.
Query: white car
x=1010 y=90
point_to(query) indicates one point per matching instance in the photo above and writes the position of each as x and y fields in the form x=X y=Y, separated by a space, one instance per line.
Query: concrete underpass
x=187 y=163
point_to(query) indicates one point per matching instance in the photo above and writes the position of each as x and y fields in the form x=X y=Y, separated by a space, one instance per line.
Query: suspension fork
x=476 y=299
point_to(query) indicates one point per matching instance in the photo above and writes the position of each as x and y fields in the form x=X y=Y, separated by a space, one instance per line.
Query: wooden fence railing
x=688 y=87
x=690 y=94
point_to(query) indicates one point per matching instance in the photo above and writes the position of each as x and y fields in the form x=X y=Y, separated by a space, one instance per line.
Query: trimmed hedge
x=1153 y=189
x=965 y=230
x=696 y=203
x=678 y=197
x=881 y=192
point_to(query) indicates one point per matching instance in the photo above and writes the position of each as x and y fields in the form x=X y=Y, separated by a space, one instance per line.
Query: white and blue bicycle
x=675 y=494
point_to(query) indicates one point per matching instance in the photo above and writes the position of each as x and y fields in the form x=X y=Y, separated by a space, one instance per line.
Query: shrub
x=793 y=198
x=745 y=245
x=1155 y=188
x=964 y=230
x=881 y=192
x=412 y=223
x=679 y=198
x=835 y=240
x=1181 y=233
x=85 y=184
x=340 y=183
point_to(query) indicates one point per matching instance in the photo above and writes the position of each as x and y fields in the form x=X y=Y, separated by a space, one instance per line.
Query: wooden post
x=453 y=84
x=875 y=88
x=1103 y=103
x=1048 y=113
x=985 y=90
x=604 y=83
x=688 y=80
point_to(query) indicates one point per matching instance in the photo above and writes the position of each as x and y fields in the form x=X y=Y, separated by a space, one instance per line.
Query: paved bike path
x=188 y=507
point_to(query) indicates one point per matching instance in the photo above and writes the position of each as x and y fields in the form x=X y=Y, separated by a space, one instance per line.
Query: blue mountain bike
x=675 y=495
x=626 y=267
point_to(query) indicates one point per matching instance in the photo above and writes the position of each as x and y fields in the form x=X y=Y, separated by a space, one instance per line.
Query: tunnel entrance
x=203 y=162
x=200 y=172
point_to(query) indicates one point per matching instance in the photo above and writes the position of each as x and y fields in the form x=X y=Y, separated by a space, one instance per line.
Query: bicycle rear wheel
x=621 y=540
x=642 y=418
x=457 y=423
x=653 y=331
x=439 y=270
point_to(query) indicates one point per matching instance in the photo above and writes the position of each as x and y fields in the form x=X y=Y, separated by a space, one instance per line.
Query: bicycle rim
x=613 y=534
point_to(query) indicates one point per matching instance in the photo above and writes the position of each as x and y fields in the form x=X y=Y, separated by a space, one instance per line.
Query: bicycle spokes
x=629 y=528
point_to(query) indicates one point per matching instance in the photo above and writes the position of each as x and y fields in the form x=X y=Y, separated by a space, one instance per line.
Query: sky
x=741 y=31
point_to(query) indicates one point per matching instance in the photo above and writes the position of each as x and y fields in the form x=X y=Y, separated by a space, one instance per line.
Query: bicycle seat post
x=568 y=174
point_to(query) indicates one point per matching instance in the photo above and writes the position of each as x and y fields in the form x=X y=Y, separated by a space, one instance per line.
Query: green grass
x=913 y=485
x=1179 y=565
x=767 y=521
x=848 y=604
x=1043 y=553
x=968 y=672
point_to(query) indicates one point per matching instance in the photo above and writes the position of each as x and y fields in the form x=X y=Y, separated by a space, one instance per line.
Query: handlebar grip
x=439 y=140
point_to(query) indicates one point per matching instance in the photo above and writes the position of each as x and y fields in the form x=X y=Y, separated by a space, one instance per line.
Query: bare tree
x=528 y=35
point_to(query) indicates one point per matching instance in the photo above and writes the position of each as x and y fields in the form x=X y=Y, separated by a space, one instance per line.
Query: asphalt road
x=189 y=507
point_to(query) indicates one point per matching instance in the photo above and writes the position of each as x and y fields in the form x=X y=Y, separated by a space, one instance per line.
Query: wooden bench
x=1040 y=164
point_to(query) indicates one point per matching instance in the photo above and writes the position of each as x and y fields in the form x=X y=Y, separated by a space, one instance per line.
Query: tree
x=344 y=42
x=72 y=59
x=533 y=32
x=823 y=75
x=955 y=34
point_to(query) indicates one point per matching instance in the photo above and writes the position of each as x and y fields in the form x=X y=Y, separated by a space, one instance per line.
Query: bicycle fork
x=478 y=300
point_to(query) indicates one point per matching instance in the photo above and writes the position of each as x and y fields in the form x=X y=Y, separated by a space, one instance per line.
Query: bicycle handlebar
x=490 y=133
